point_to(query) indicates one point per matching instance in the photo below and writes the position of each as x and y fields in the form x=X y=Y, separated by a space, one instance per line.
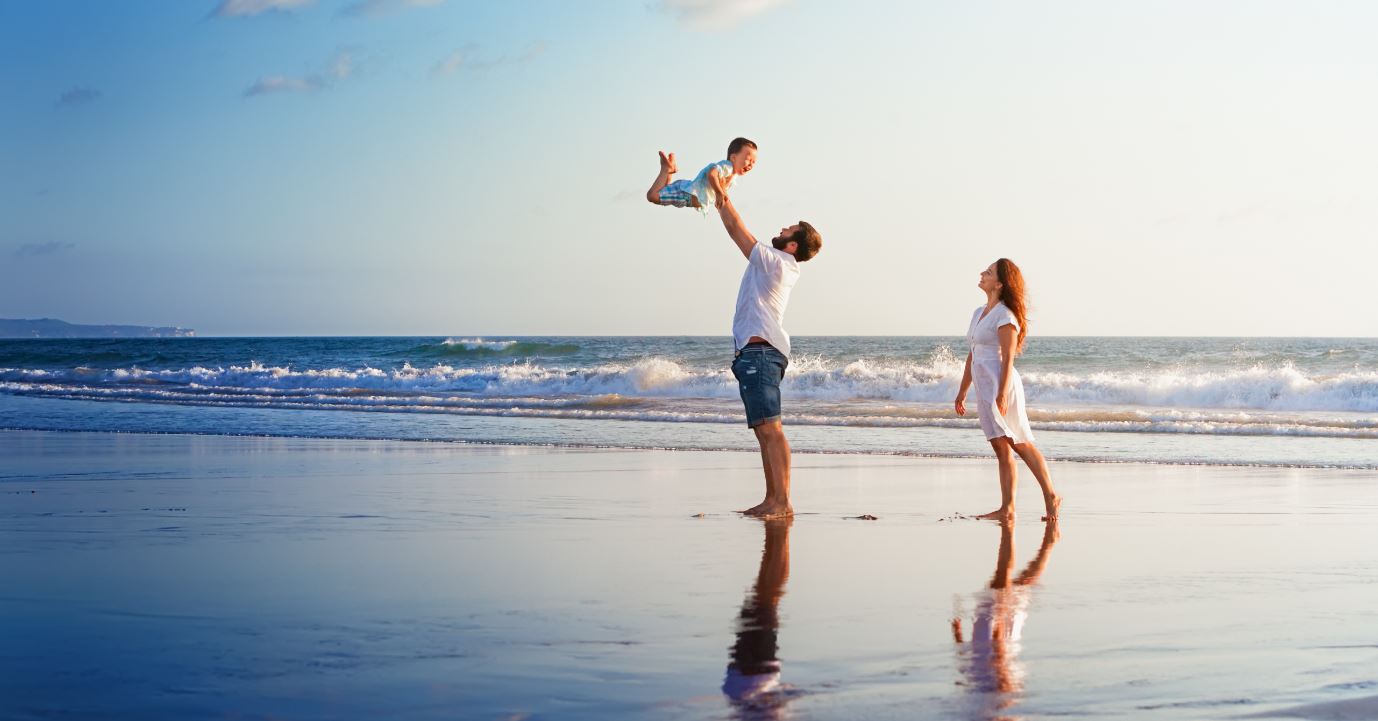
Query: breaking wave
x=1260 y=401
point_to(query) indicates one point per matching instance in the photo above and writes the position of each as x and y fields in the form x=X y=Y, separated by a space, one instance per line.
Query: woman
x=996 y=336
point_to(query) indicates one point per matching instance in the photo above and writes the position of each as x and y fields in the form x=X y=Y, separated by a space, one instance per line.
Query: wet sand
x=184 y=577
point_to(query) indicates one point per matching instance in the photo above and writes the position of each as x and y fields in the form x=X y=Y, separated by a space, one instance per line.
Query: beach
x=184 y=576
x=421 y=359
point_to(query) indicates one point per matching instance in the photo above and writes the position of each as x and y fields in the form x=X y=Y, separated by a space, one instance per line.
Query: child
x=710 y=186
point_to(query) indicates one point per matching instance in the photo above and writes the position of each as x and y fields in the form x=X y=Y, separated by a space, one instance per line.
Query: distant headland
x=52 y=328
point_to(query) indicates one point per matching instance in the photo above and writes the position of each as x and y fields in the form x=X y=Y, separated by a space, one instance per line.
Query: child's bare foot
x=1051 y=504
x=1003 y=515
x=667 y=163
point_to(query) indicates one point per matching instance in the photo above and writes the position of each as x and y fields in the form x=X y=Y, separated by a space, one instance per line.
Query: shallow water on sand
x=174 y=577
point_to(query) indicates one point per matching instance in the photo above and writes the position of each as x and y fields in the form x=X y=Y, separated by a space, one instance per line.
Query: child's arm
x=715 y=180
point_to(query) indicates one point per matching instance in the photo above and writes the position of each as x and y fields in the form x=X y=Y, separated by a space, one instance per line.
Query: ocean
x=1308 y=402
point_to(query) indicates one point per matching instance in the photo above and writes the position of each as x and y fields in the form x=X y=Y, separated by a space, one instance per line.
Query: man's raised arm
x=733 y=222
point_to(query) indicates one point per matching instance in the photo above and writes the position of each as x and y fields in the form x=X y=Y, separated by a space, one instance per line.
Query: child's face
x=744 y=160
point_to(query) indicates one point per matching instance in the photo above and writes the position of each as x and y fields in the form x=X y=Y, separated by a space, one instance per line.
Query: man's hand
x=722 y=199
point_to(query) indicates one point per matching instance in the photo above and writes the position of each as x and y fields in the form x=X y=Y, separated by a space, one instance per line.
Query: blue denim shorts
x=759 y=369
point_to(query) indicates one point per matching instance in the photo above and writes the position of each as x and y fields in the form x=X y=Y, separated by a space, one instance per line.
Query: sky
x=449 y=167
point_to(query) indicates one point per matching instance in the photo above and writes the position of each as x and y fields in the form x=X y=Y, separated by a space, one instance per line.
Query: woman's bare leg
x=1005 y=455
x=1036 y=463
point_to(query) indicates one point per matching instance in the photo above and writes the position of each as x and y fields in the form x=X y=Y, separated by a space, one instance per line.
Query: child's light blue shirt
x=703 y=189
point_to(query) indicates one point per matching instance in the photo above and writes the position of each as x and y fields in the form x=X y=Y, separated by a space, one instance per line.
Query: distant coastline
x=53 y=328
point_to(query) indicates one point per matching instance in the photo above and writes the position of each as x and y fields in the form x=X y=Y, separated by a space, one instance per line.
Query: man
x=762 y=345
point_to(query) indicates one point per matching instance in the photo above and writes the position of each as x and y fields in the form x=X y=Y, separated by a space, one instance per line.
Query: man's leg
x=667 y=169
x=775 y=462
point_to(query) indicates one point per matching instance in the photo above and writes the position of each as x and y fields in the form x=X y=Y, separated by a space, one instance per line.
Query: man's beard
x=780 y=242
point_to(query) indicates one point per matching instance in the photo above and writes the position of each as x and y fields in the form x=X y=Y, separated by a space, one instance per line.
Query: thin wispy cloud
x=471 y=58
x=36 y=250
x=526 y=56
x=340 y=68
x=373 y=8
x=77 y=97
x=283 y=84
x=249 y=8
x=450 y=63
x=716 y=14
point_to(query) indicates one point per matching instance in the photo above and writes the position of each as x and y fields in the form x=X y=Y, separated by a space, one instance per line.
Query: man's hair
x=737 y=144
x=810 y=242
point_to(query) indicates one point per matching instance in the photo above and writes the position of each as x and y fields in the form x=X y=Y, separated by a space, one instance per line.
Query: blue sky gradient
x=449 y=167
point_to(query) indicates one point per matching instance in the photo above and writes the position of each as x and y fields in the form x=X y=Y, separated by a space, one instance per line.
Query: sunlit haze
x=392 y=167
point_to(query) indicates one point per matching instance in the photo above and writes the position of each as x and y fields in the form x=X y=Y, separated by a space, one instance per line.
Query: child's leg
x=667 y=169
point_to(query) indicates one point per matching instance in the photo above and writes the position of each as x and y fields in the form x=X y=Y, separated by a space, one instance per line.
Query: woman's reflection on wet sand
x=752 y=684
x=989 y=660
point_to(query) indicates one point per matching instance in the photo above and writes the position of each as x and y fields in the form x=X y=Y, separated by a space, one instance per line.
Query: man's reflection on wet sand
x=989 y=660
x=752 y=685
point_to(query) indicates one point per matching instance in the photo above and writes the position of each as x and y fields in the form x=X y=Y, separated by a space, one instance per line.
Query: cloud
x=373 y=8
x=249 y=8
x=531 y=53
x=340 y=68
x=283 y=84
x=716 y=14
x=450 y=63
x=35 y=250
x=76 y=97
x=465 y=57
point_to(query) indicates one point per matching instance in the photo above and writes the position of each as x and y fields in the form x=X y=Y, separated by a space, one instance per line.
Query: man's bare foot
x=1052 y=505
x=1002 y=515
x=770 y=509
x=667 y=163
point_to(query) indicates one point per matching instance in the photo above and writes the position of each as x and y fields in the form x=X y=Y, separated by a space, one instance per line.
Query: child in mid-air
x=709 y=187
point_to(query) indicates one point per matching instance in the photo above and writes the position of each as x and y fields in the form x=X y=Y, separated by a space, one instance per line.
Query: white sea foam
x=1266 y=388
x=1278 y=388
x=479 y=343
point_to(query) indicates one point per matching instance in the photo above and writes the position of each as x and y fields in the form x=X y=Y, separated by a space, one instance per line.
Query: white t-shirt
x=761 y=300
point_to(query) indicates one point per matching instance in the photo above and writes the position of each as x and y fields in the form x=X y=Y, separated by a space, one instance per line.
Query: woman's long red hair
x=1012 y=295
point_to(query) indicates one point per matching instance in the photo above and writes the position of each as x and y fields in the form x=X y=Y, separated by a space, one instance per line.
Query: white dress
x=984 y=339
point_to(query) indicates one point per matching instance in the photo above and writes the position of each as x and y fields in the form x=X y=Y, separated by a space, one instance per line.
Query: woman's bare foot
x=769 y=509
x=1052 y=504
x=667 y=163
x=1003 y=515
